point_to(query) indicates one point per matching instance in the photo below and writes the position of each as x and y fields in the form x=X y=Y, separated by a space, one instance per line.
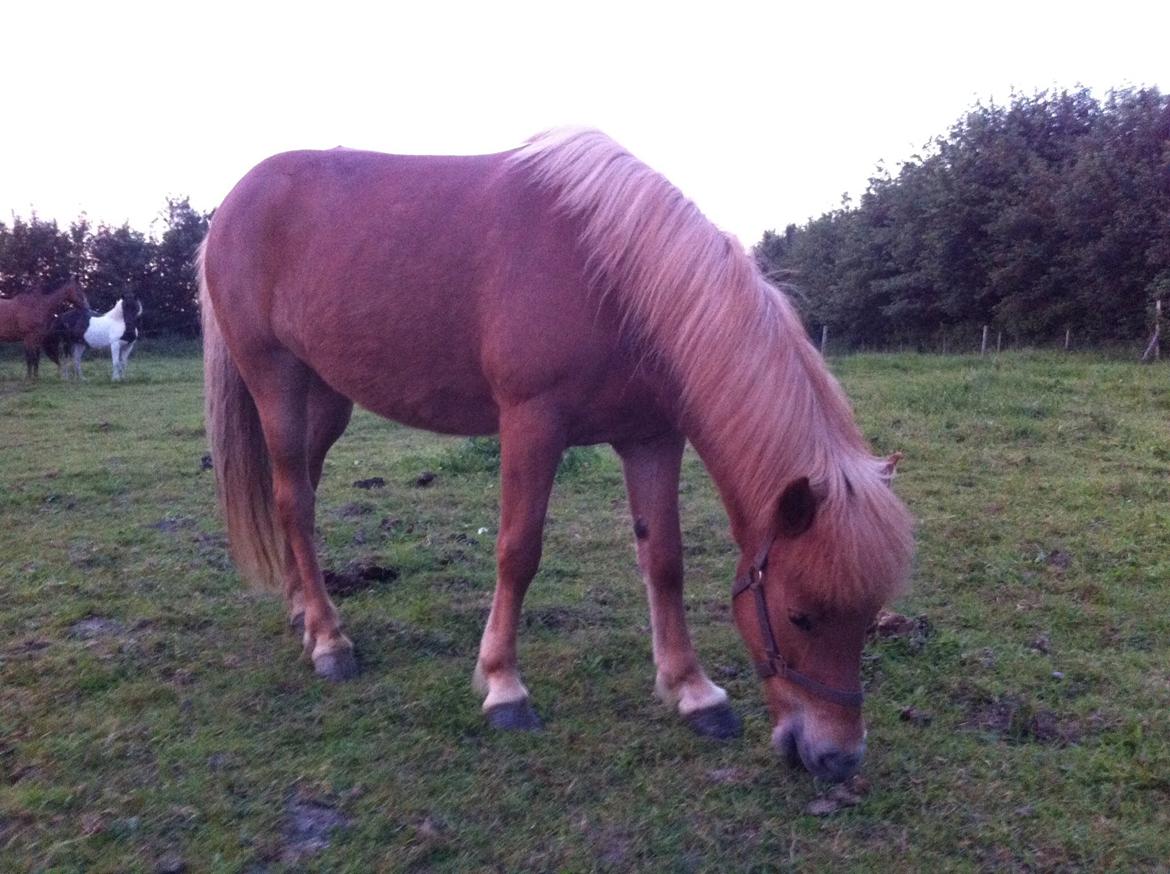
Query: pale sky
x=763 y=113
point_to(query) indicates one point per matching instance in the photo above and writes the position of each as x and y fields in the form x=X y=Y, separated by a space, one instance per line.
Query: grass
x=155 y=714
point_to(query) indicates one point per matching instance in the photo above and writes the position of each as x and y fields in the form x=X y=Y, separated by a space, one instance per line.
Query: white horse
x=117 y=329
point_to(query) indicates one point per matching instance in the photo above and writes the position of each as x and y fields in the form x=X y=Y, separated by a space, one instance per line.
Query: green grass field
x=155 y=715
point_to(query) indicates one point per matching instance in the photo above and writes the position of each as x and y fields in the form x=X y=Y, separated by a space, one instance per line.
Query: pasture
x=155 y=715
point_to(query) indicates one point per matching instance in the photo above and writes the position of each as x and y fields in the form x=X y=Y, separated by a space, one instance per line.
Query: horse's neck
x=790 y=420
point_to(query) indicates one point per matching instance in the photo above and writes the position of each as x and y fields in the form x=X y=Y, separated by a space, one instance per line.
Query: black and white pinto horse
x=79 y=329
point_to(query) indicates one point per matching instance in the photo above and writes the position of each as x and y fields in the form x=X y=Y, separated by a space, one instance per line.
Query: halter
x=775 y=665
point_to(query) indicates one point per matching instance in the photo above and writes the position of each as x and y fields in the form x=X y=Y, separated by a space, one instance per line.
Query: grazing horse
x=28 y=318
x=559 y=294
x=79 y=329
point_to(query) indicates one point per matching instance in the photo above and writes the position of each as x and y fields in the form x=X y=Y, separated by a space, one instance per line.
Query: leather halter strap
x=775 y=665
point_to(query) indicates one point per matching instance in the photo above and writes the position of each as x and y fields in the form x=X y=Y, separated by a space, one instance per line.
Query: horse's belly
x=96 y=336
x=445 y=409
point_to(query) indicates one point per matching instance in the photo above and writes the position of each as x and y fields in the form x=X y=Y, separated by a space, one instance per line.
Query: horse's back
x=433 y=290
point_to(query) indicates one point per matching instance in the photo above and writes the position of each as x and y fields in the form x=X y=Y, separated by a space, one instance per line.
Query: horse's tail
x=239 y=455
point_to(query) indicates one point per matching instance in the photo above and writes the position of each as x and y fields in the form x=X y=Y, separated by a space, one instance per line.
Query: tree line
x=1050 y=214
x=112 y=261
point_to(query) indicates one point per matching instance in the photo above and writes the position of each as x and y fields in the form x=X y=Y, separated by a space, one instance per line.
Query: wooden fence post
x=998 y=341
x=983 y=345
x=824 y=339
x=1154 y=349
x=1067 y=338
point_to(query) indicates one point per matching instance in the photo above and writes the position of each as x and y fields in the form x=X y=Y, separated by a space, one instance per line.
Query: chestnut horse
x=560 y=294
x=28 y=318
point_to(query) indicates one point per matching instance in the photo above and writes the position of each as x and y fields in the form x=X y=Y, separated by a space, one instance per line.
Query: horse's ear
x=797 y=508
x=890 y=467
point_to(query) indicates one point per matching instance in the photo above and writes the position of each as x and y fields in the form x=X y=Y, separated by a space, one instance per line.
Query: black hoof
x=719 y=722
x=297 y=624
x=336 y=666
x=514 y=716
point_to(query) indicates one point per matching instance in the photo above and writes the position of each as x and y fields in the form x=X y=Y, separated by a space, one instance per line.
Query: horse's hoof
x=513 y=716
x=336 y=666
x=719 y=722
x=297 y=624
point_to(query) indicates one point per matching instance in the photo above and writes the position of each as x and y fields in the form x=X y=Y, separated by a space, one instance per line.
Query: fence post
x=824 y=339
x=1154 y=350
x=998 y=341
x=983 y=345
x=1067 y=338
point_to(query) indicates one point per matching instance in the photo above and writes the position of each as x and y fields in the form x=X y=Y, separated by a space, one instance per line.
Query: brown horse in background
x=28 y=318
x=558 y=295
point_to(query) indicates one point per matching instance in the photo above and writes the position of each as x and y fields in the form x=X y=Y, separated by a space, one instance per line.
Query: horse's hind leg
x=652 y=475
x=280 y=386
x=32 y=359
x=328 y=415
x=530 y=450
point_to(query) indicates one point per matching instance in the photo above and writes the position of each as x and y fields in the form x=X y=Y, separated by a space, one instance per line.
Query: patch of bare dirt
x=358 y=576
x=309 y=824
x=95 y=627
x=1012 y=719
x=841 y=796
x=913 y=631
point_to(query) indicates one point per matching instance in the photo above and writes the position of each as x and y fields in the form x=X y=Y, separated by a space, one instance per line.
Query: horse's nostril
x=837 y=765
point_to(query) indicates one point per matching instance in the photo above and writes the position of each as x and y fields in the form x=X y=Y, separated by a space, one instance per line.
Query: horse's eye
x=801 y=621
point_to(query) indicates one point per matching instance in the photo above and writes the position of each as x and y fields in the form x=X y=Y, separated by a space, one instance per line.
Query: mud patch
x=353 y=510
x=358 y=576
x=93 y=627
x=309 y=825
x=913 y=631
x=1013 y=720
x=843 y=795
x=374 y=482
x=424 y=479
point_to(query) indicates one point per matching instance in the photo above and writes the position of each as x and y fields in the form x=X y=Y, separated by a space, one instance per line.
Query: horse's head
x=74 y=295
x=804 y=601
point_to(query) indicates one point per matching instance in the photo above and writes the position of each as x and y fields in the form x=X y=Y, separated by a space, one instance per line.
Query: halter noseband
x=775 y=665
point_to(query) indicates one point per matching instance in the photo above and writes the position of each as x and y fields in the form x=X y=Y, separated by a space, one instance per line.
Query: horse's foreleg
x=115 y=362
x=531 y=444
x=280 y=390
x=652 y=476
x=78 y=351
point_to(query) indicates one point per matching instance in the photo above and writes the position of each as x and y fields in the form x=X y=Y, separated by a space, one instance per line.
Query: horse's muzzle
x=825 y=761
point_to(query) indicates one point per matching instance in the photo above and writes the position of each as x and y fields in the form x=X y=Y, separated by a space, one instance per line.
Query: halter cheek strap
x=774 y=664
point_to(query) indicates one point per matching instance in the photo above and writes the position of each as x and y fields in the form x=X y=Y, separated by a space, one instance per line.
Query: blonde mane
x=759 y=402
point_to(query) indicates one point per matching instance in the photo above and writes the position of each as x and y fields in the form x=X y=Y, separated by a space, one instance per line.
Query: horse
x=562 y=293
x=27 y=318
x=116 y=328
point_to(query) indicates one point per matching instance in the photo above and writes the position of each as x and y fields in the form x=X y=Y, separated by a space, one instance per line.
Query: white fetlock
x=690 y=695
x=504 y=688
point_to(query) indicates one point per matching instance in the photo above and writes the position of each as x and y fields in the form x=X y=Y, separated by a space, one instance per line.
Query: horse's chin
x=786 y=741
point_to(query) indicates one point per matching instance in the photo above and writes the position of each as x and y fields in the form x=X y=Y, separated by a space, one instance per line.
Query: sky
x=764 y=114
